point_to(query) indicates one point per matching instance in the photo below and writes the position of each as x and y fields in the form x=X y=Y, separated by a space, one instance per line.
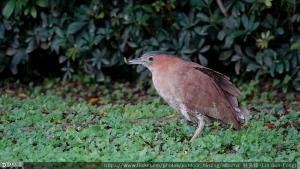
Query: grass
x=60 y=121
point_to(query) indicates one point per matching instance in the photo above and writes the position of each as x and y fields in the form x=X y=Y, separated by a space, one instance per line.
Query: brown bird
x=194 y=90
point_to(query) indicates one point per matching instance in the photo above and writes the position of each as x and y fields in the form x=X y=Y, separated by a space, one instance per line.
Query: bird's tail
x=240 y=113
x=243 y=114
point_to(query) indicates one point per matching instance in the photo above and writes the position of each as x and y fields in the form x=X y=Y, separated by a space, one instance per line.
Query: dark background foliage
x=257 y=38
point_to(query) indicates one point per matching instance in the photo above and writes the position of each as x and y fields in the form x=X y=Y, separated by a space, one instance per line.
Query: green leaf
x=287 y=79
x=203 y=17
x=237 y=67
x=238 y=33
x=147 y=8
x=295 y=46
x=41 y=3
x=276 y=82
x=9 y=8
x=205 y=49
x=279 y=68
x=59 y=32
x=235 y=58
x=132 y=44
x=17 y=58
x=97 y=39
x=26 y=11
x=251 y=67
x=33 y=12
x=221 y=35
x=202 y=31
x=31 y=46
x=99 y=76
x=91 y=130
x=268 y=3
x=75 y=27
x=245 y=22
x=232 y=22
x=268 y=60
x=202 y=60
x=57 y=43
x=225 y=55
x=228 y=41
x=259 y=58
x=286 y=64
x=189 y=51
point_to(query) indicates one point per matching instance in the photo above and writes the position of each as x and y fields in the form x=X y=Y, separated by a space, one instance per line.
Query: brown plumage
x=194 y=90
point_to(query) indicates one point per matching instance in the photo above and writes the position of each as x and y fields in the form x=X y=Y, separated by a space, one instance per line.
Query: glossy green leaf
x=202 y=17
x=204 y=49
x=9 y=8
x=295 y=46
x=41 y=3
x=19 y=56
x=202 y=60
x=221 y=35
x=33 y=12
x=75 y=27
x=268 y=60
x=225 y=55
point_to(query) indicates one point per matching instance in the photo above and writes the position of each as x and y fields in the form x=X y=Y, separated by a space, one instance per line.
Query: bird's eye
x=150 y=59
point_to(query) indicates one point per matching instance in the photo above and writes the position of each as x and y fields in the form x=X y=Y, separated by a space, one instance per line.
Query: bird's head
x=154 y=59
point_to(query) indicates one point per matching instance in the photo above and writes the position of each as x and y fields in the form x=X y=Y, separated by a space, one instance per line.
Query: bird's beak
x=136 y=61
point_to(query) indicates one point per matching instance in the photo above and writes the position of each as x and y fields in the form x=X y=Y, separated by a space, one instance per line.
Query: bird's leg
x=199 y=127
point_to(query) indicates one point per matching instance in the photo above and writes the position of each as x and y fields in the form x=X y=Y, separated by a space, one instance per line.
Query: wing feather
x=222 y=81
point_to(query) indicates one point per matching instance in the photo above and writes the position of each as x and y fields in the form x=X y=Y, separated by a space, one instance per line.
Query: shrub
x=258 y=38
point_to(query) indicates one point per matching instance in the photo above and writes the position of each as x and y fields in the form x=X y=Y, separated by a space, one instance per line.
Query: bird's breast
x=169 y=93
x=167 y=90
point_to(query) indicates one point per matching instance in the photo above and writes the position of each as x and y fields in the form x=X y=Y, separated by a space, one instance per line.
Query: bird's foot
x=199 y=128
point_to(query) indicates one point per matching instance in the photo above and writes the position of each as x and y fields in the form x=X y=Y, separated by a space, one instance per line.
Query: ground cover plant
x=77 y=121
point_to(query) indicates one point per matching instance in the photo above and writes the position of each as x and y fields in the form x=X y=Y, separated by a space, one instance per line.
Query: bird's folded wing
x=224 y=86
x=221 y=80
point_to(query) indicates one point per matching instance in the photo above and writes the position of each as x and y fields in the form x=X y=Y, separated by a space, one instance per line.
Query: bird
x=198 y=92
